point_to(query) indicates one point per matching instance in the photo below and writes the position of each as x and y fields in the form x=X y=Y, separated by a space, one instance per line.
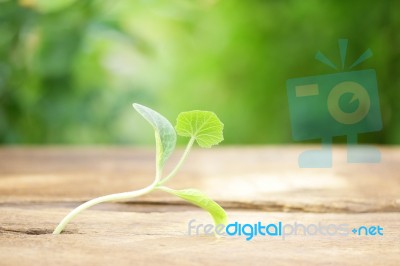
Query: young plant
x=201 y=126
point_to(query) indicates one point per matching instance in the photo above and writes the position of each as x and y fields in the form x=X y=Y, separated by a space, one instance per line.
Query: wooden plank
x=113 y=236
x=264 y=178
x=38 y=186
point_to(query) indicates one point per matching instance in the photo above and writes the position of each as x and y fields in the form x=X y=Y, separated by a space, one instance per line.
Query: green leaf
x=201 y=200
x=164 y=133
x=204 y=126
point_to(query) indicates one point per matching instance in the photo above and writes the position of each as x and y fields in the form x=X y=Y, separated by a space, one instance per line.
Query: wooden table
x=38 y=186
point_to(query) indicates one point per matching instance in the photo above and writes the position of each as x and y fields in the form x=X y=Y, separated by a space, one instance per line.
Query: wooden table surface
x=40 y=185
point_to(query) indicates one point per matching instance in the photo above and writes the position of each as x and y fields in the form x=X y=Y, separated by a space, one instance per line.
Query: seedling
x=201 y=126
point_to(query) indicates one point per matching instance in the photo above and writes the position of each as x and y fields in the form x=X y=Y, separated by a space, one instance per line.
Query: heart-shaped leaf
x=164 y=133
x=201 y=200
x=204 y=126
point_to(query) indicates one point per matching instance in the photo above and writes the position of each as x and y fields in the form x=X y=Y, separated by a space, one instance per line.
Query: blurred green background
x=70 y=69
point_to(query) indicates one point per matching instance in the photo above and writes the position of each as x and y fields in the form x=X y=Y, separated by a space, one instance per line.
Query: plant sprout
x=202 y=127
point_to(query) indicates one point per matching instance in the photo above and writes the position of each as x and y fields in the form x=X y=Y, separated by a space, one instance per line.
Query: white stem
x=112 y=197
x=183 y=158
x=124 y=195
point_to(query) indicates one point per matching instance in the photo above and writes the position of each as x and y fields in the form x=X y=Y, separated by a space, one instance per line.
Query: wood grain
x=259 y=178
x=38 y=186
x=101 y=237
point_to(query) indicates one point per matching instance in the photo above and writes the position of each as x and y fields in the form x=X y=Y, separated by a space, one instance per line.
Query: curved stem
x=112 y=197
x=124 y=195
x=183 y=158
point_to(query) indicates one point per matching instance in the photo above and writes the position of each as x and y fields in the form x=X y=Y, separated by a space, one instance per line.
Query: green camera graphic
x=325 y=106
x=334 y=105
